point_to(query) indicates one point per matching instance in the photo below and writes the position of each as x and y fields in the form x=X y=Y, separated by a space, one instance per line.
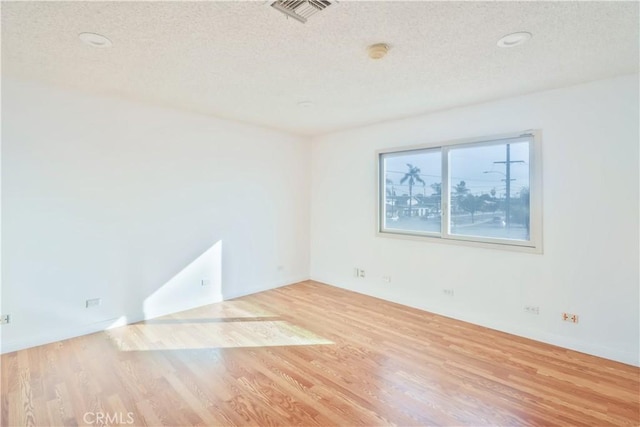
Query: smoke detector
x=301 y=10
x=515 y=39
x=94 y=40
x=378 y=50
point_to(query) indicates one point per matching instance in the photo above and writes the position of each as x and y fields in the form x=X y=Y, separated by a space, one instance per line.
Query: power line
x=507 y=164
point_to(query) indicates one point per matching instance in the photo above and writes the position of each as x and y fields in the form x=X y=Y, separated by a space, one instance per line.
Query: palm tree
x=413 y=176
x=391 y=194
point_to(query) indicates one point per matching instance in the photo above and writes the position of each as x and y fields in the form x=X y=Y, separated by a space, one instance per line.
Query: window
x=485 y=191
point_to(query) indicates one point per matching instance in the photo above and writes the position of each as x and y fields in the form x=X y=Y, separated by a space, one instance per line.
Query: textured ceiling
x=246 y=61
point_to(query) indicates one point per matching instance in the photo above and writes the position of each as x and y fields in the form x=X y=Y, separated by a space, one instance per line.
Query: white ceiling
x=248 y=62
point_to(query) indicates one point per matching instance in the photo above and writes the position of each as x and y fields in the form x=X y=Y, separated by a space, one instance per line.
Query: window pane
x=411 y=191
x=489 y=191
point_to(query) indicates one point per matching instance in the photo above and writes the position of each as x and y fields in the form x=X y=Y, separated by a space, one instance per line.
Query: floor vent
x=300 y=10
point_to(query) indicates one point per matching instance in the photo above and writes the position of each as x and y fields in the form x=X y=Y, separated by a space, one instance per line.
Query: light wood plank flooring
x=312 y=355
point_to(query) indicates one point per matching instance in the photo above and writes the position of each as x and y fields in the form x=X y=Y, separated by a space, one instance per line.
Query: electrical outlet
x=532 y=309
x=569 y=317
x=359 y=273
x=386 y=279
x=95 y=302
x=205 y=282
x=4 y=319
x=362 y=274
x=448 y=292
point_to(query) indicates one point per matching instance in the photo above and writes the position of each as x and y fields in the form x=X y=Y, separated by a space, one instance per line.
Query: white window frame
x=533 y=245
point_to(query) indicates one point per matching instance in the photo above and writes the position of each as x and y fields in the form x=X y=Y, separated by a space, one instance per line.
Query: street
x=484 y=225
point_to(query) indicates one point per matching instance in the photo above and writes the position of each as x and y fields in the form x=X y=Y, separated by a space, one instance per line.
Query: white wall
x=135 y=205
x=590 y=232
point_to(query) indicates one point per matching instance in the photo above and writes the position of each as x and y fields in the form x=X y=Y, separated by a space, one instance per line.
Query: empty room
x=320 y=213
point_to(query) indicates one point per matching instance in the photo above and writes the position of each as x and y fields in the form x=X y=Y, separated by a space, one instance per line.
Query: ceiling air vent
x=300 y=10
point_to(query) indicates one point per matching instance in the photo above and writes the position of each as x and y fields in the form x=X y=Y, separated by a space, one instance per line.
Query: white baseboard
x=78 y=331
x=569 y=343
x=34 y=341
x=231 y=294
x=627 y=357
x=152 y=313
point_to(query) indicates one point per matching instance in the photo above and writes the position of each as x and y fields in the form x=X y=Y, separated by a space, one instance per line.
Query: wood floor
x=312 y=355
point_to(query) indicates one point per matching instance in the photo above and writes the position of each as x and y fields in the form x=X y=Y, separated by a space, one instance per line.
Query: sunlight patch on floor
x=229 y=310
x=181 y=334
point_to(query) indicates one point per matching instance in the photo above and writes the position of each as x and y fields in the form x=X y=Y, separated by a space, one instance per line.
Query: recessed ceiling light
x=515 y=39
x=305 y=104
x=378 y=50
x=94 y=40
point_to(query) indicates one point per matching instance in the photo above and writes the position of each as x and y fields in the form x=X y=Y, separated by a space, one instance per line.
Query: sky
x=467 y=163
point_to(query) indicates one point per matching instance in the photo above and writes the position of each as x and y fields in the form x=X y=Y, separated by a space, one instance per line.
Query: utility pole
x=507 y=163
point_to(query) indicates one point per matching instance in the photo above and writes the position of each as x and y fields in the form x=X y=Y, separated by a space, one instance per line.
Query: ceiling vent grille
x=300 y=10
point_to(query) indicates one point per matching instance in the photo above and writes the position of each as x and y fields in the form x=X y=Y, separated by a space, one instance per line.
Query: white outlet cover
x=95 y=302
